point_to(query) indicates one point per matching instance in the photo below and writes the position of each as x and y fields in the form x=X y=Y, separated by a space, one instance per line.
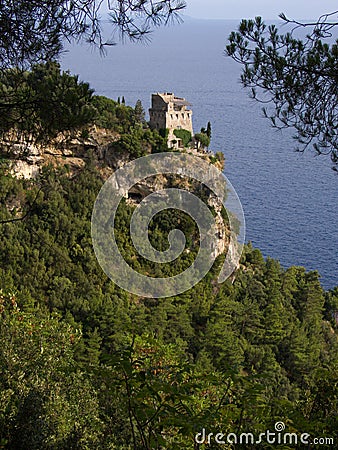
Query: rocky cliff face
x=72 y=150
x=26 y=159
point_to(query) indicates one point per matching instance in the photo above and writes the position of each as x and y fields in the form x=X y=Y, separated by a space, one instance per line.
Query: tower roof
x=181 y=102
x=169 y=97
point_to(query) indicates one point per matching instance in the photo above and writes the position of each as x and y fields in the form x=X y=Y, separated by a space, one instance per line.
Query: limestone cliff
x=73 y=150
x=26 y=159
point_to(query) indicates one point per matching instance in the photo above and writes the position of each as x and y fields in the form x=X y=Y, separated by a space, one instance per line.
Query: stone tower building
x=172 y=113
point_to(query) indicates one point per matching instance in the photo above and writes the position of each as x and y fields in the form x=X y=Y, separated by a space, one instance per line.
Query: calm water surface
x=289 y=198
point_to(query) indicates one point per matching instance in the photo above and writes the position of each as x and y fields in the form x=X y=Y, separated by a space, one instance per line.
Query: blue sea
x=289 y=198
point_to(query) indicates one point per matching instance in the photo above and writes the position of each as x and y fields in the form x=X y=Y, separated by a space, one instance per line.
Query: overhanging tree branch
x=298 y=77
x=33 y=31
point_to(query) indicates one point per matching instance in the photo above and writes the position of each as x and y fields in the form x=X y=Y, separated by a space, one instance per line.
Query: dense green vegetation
x=87 y=365
x=43 y=101
x=135 y=137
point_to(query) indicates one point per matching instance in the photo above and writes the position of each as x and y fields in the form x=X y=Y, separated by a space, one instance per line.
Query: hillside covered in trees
x=85 y=365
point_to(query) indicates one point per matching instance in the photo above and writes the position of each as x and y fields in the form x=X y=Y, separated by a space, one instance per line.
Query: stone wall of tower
x=179 y=119
x=170 y=112
x=157 y=112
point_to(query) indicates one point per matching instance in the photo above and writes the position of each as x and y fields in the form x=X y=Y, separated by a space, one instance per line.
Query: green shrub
x=185 y=135
x=112 y=115
x=203 y=139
